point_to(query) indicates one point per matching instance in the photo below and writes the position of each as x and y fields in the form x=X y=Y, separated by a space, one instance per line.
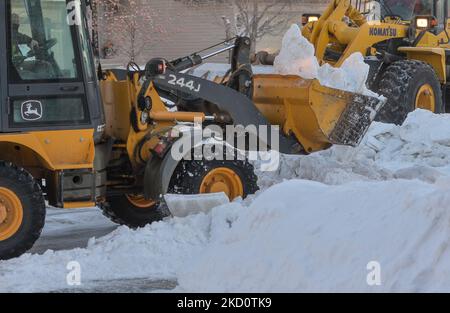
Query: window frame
x=14 y=78
x=40 y=89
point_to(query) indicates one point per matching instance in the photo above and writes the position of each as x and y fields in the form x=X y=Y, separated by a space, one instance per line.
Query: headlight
x=422 y=23
x=313 y=19
x=310 y=18
x=426 y=22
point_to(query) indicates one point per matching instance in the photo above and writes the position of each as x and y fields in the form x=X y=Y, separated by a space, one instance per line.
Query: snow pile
x=424 y=139
x=350 y=76
x=297 y=57
x=387 y=201
x=420 y=149
x=156 y=251
x=303 y=236
x=296 y=236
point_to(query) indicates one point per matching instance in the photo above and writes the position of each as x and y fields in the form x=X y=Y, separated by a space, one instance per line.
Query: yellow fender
x=433 y=56
x=56 y=150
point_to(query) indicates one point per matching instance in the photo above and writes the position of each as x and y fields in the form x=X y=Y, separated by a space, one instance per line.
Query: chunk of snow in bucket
x=297 y=57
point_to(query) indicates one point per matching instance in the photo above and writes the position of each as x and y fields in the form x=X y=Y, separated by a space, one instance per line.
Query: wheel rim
x=223 y=180
x=11 y=213
x=139 y=201
x=426 y=98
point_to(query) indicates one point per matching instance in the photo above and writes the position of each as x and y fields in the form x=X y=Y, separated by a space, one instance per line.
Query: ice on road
x=69 y=229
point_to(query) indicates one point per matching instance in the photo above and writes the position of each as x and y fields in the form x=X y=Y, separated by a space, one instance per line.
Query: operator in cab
x=406 y=9
x=18 y=38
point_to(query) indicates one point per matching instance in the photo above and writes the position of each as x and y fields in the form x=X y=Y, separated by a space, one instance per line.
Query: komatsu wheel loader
x=405 y=42
x=74 y=137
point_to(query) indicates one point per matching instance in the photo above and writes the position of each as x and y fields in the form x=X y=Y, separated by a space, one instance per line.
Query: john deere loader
x=405 y=42
x=72 y=136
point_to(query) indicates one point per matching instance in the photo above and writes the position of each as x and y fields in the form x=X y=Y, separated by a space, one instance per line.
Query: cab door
x=45 y=77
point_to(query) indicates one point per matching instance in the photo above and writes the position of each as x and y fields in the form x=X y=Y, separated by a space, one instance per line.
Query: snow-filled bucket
x=318 y=116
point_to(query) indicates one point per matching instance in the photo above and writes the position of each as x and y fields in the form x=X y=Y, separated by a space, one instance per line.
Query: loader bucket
x=316 y=115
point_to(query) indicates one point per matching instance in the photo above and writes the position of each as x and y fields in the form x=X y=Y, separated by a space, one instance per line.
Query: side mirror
x=310 y=18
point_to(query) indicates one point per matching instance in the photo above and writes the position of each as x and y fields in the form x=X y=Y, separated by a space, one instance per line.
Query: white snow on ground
x=302 y=236
x=58 y=221
x=156 y=251
x=420 y=149
x=387 y=201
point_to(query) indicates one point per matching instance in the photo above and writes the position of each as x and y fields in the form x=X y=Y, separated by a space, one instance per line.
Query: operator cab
x=406 y=10
x=49 y=80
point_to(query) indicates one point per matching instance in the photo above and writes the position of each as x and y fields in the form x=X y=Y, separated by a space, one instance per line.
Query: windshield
x=406 y=9
x=41 y=40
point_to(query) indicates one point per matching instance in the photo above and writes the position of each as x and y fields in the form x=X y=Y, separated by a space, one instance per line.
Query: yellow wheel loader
x=74 y=137
x=405 y=42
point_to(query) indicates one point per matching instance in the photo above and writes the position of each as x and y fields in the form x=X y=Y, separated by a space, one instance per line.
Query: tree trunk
x=254 y=27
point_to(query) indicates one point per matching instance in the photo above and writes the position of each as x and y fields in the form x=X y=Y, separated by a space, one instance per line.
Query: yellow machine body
x=301 y=107
x=331 y=32
x=119 y=99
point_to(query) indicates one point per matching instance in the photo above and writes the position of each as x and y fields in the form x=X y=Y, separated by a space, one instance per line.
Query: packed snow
x=315 y=226
x=298 y=57
x=302 y=236
x=420 y=149
x=185 y=205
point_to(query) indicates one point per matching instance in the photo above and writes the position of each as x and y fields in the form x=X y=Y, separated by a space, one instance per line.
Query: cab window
x=423 y=7
x=41 y=41
x=440 y=11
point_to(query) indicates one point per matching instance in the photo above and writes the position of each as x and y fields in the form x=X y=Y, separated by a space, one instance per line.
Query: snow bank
x=297 y=57
x=386 y=201
x=156 y=251
x=302 y=236
x=296 y=236
x=420 y=149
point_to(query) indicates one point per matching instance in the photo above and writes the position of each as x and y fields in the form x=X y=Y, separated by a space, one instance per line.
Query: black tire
x=29 y=193
x=400 y=84
x=121 y=211
x=189 y=175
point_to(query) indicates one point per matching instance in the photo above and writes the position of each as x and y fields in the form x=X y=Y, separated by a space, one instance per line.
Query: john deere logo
x=31 y=110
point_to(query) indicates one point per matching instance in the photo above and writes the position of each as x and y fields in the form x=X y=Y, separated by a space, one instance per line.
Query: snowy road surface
x=70 y=229
x=322 y=222
x=67 y=229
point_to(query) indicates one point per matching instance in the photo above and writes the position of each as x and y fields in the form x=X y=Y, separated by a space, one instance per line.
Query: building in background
x=174 y=28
